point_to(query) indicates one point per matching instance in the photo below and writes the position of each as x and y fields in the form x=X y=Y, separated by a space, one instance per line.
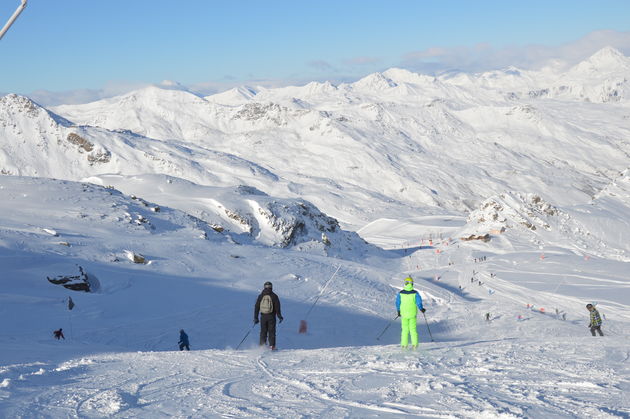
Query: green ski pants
x=408 y=326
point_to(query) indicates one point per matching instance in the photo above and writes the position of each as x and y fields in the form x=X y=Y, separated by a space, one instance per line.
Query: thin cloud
x=483 y=57
x=210 y=88
x=321 y=65
x=363 y=61
x=78 y=96
x=69 y=97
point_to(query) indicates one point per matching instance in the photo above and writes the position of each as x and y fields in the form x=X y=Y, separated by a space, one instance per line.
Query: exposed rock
x=76 y=139
x=528 y=210
x=484 y=238
x=242 y=220
x=135 y=257
x=72 y=282
x=103 y=156
x=217 y=228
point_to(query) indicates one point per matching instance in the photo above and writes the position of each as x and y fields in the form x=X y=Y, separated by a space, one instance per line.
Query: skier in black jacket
x=183 y=341
x=268 y=305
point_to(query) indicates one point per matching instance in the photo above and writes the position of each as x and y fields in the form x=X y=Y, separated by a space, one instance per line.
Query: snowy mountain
x=423 y=138
x=604 y=77
x=505 y=195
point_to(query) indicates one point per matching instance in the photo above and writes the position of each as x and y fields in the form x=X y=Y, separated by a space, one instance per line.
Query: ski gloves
x=256 y=321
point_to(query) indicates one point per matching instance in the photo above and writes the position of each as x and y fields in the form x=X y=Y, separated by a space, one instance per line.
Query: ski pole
x=425 y=320
x=386 y=327
x=246 y=334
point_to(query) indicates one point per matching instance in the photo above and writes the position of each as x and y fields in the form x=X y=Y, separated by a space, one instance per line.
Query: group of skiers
x=408 y=303
x=266 y=309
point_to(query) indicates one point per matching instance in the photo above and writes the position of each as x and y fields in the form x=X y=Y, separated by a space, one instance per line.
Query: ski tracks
x=503 y=378
x=326 y=388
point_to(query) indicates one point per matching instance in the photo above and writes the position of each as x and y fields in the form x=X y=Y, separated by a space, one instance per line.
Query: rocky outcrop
x=511 y=209
x=95 y=155
x=135 y=257
x=484 y=238
x=79 y=282
x=79 y=141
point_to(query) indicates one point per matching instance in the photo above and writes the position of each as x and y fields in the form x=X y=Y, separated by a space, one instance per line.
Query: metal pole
x=425 y=320
x=71 y=329
x=247 y=334
x=320 y=294
x=17 y=12
x=386 y=327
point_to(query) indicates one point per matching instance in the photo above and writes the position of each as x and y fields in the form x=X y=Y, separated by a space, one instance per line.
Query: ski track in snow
x=516 y=378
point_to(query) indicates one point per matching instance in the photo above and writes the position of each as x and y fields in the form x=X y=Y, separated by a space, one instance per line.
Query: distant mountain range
x=392 y=144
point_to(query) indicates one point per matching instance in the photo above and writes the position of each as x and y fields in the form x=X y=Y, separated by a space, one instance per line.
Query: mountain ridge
x=423 y=143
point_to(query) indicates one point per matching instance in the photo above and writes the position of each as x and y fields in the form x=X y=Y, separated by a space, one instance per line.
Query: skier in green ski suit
x=408 y=302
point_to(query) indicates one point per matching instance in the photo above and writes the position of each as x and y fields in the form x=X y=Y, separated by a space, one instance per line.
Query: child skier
x=58 y=334
x=183 y=341
x=596 y=320
x=408 y=302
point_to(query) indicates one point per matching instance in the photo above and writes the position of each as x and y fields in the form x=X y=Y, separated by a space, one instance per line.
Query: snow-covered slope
x=118 y=360
x=247 y=212
x=36 y=142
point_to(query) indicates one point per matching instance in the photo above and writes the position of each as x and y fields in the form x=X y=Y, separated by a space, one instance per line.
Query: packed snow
x=505 y=195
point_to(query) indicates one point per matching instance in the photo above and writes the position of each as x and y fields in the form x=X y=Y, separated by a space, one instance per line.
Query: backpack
x=266 y=304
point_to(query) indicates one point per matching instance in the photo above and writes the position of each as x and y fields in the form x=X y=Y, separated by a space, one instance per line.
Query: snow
x=119 y=358
x=335 y=194
x=465 y=381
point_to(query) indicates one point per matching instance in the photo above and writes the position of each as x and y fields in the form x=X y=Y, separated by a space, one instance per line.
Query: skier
x=408 y=302
x=183 y=341
x=596 y=320
x=58 y=334
x=268 y=305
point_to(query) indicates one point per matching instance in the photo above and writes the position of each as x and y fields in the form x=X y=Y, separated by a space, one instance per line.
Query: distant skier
x=596 y=320
x=408 y=302
x=487 y=317
x=183 y=341
x=268 y=305
x=58 y=334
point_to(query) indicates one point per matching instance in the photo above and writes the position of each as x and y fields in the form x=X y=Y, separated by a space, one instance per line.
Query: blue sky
x=68 y=45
